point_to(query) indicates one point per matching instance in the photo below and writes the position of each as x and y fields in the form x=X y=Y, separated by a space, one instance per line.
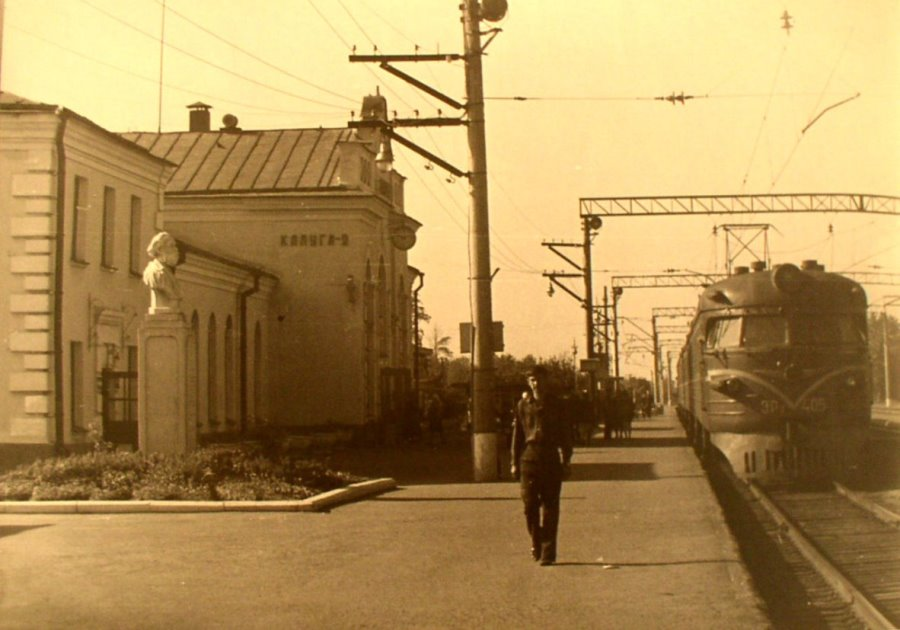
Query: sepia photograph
x=449 y=314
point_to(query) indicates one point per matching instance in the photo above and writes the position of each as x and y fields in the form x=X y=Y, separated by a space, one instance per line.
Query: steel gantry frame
x=593 y=209
x=738 y=204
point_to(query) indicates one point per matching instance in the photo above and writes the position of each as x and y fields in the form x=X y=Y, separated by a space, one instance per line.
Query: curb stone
x=317 y=503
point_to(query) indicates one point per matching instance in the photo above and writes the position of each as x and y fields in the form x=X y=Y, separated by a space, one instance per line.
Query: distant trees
x=877 y=323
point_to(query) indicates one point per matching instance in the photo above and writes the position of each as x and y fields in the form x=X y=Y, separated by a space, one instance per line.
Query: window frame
x=80 y=214
x=108 y=233
x=134 y=247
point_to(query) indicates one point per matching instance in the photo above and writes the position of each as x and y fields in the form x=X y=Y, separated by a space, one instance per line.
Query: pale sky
x=589 y=129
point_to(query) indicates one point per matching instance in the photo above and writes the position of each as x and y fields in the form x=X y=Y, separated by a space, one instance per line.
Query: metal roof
x=267 y=160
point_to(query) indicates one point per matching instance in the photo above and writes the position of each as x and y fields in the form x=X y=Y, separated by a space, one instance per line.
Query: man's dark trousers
x=541 y=483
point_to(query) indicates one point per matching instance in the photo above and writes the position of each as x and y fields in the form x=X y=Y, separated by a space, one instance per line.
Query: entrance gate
x=120 y=407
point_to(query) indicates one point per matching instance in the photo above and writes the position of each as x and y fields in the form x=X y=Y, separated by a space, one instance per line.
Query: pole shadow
x=12 y=530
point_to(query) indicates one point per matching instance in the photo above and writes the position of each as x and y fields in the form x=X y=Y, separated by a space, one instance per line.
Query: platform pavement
x=642 y=545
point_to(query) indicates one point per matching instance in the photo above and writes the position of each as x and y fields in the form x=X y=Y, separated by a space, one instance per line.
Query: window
x=135 y=249
x=724 y=332
x=828 y=330
x=80 y=220
x=750 y=331
x=108 y=244
x=764 y=331
x=229 y=374
x=212 y=390
x=76 y=384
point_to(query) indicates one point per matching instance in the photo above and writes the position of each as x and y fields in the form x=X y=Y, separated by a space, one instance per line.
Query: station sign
x=466 y=339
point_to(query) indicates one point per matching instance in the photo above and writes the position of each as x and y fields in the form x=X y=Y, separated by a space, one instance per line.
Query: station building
x=294 y=275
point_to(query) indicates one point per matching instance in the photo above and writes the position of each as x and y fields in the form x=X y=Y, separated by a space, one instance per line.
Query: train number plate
x=813 y=404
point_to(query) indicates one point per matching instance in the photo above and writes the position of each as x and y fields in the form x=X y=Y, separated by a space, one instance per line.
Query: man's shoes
x=548 y=554
x=535 y=554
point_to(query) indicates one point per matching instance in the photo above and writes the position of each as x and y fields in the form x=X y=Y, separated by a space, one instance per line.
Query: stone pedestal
x=163 y=418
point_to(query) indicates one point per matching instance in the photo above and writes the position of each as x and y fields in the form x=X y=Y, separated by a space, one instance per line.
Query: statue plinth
x=163 y=416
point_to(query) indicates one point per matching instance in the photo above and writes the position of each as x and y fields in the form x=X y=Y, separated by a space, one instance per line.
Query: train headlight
x=729 y=386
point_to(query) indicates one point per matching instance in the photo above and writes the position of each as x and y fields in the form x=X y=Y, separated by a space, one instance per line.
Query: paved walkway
x=642 y=545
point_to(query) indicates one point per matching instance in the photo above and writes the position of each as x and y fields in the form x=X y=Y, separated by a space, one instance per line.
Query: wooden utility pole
x=484 y=425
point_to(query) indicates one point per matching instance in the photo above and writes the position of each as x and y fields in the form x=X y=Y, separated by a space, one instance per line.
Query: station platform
x=642 y=544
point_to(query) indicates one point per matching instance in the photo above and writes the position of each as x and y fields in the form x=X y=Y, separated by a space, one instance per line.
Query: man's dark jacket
x=540 y=431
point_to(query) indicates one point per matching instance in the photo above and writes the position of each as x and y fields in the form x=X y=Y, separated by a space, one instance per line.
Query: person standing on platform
x=541 y=452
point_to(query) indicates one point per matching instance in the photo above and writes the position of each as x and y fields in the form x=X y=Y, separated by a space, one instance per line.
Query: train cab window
x=750 y=331
x=764 y=330
x=828 y=330
x=724 y=332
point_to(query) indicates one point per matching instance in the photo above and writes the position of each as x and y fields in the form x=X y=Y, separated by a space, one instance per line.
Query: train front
x=785 y=372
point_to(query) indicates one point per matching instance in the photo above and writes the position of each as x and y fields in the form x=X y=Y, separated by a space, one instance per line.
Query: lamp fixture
x=384 y=160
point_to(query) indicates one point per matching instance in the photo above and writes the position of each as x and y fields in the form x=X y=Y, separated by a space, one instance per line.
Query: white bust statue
x=159 y=275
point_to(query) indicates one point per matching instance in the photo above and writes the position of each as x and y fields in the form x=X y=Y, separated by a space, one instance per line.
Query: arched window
x=230 y=415
x=257 y=374
x=383 y=311
x=212 y=376
x=194 y=371
x=370 y=352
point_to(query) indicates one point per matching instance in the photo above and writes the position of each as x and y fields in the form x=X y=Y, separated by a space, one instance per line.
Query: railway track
x=855 y=552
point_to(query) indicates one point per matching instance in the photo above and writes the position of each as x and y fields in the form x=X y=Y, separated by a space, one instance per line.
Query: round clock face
x=403 y=238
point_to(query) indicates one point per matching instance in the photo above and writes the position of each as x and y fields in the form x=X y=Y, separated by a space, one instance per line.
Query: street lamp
x=384 y=159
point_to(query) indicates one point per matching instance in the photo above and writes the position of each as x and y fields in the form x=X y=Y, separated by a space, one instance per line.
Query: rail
x=867 y=609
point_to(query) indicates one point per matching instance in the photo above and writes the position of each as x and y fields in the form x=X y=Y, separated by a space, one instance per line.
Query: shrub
x=16 y=489
x=67 y=491
x=237 y=472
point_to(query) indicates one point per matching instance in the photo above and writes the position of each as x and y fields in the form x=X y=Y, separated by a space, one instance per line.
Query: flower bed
x=234 y=473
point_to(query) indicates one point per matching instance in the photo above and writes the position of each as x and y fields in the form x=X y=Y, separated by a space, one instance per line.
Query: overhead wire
x=252 y=55
x=816 y=107
x=762 y=123
x=206 y=61
x=508 y=254
x=148 y=79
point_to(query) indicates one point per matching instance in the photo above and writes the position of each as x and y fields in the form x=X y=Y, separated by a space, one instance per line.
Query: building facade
x=78 y=206
x=311 y=206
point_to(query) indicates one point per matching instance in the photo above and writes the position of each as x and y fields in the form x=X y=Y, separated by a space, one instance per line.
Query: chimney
x=741 y=270
x=758 y=265
x=199 y=116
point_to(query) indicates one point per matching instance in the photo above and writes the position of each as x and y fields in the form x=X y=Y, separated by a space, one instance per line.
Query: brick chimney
x=199 y=116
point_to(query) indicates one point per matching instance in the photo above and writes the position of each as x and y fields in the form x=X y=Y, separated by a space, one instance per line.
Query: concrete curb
x=317 y=503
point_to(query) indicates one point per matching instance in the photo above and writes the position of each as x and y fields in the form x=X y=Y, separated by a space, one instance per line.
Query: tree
x=876 y=354
x=440 y=345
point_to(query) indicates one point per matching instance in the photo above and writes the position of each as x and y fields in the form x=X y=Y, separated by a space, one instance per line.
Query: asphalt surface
x=642 y=544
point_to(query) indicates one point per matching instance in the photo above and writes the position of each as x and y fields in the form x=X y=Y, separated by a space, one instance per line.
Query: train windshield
x=827 y=330
x=749 y=331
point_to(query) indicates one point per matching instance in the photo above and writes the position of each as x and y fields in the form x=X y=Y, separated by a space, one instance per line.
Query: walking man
x=541 y=451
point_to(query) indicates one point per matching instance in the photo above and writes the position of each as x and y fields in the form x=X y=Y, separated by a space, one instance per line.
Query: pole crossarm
x=552 y=245
x=672 y=311
x=738 y=204
x=553 y=275
x=662 y=281
x=422 y=86
x=388 y=58
x=647 y=335
x=428 y=155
